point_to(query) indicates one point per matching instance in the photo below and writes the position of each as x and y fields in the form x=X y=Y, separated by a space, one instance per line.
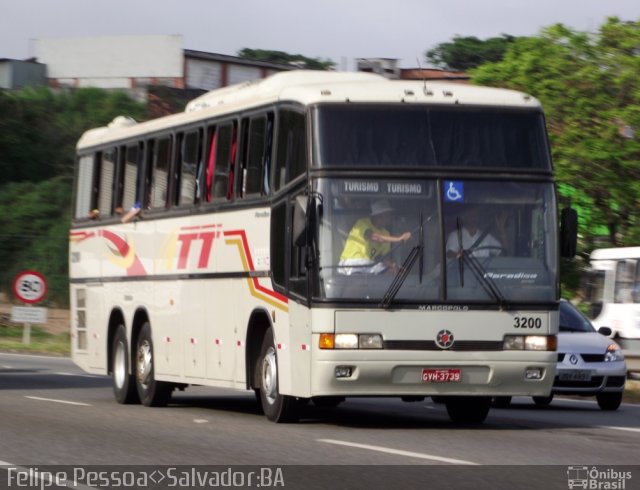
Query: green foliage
x=39 y=128
x=465 y=53
x=589 y=86
x=286 y=59
x=38 y=133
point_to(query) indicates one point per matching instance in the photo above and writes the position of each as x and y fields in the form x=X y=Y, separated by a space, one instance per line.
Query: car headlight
x=613 y=353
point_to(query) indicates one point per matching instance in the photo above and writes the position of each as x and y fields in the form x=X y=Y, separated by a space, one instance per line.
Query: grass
x=42 y=342
x=632 y=392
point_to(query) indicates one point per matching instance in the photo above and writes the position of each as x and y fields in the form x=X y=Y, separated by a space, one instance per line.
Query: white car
x=589 y=363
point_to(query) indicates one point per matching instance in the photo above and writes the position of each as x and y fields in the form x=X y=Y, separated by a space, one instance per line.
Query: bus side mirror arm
x=568 y=232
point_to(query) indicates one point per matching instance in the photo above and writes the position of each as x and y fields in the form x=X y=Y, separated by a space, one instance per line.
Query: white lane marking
x=80 y=375
x=4 y=463
x=6 y=366
x=398 y=452
x=52 y=358
x=628 y=429
x=57 y=401
x=200 y=421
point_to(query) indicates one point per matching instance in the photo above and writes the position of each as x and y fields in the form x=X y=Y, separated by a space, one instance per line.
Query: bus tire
x=124 y=385
x=152 y=393
x=501 y=402
x=277 y=408
x=543 y=401
x=468 y=410
x=609 y=401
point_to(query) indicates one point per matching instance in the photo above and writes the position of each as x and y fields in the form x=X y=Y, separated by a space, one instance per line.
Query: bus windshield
x=375 y=135
x=403 y=240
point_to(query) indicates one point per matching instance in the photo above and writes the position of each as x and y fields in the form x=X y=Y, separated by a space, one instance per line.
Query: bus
x=207 y=247
x=614 y=294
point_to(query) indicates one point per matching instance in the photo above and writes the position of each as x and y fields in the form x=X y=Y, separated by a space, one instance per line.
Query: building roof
x=224 y=58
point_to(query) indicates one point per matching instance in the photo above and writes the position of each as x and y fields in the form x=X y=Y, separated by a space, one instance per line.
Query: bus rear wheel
x=468 y=410
x=152 y=393
x=276 y=407
x=124 y=385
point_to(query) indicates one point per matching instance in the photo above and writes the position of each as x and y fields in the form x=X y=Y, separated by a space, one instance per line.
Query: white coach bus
x=614 y=294
x=224 y=246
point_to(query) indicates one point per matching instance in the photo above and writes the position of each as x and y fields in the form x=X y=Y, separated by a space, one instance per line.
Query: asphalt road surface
x=51 y=413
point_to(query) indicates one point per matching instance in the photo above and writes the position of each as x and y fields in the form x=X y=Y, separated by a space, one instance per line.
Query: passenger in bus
x=368 y=245
x=475 y=241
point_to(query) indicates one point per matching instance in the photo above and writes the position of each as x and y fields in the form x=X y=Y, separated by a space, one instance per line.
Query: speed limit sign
x=30 y=287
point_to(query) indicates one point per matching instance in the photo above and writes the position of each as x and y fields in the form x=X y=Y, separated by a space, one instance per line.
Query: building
x=17 y=74
x=138 y=62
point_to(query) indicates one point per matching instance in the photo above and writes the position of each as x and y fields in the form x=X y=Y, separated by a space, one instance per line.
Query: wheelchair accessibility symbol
x=453 y=191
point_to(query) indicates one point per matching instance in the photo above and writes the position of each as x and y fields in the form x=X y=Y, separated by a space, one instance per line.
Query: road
x=51 y=413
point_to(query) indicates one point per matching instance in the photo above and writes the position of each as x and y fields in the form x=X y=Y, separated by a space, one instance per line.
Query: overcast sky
x=340 y=30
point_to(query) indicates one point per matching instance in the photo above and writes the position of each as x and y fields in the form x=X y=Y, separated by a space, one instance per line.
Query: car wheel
x=543 y=401
x=609 y=401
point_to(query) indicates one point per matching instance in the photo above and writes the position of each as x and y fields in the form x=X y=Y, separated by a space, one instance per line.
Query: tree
x=286 y=59
x=38 y=133
x=465 y=53
x=589 y=85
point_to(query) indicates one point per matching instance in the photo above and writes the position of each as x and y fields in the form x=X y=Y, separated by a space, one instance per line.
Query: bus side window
x=625 y=270
x=86 y=185
x=160 y=173
x=187 y=168
x=107 y=182
x=129 y=178
x=257 y=158
x=223 y=143
x=636 y=284
x=291 y=159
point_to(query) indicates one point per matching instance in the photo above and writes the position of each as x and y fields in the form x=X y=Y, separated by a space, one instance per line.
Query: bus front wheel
x=124 y=385
x=276 y=407
x=152 y=393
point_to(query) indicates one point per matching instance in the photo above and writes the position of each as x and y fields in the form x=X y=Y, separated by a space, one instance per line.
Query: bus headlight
x=530 y=342
x=350 y=341
x=346 y=341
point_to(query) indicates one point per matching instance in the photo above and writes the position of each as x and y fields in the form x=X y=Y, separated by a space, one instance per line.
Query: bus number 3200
x=527 y=322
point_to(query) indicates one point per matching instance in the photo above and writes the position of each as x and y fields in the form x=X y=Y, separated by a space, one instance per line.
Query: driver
x=368 y=244
x=475 y=241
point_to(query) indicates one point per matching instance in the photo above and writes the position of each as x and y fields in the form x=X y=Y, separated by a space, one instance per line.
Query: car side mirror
x=606 y=331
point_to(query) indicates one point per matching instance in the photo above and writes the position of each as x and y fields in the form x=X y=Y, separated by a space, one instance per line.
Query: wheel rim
x=120 y=365
x=144 y=363
x=270 y=376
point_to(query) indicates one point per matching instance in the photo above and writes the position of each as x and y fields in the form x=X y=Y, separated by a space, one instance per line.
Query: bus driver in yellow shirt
x=369 y=243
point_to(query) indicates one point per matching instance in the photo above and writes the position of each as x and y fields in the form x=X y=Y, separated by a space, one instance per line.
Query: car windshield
x=571 y=320
x=436 y=241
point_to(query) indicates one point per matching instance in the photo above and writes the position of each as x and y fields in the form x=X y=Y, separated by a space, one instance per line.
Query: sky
x=339 y=30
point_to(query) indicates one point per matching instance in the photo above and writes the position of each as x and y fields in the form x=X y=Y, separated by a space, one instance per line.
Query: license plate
x=576 y=375
x=441 y=375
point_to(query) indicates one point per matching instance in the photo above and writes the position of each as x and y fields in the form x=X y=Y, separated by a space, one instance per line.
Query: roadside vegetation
x=42 y=341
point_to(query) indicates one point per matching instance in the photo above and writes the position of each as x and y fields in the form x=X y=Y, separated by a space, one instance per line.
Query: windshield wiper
x=401 y=276
x=482 y=276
